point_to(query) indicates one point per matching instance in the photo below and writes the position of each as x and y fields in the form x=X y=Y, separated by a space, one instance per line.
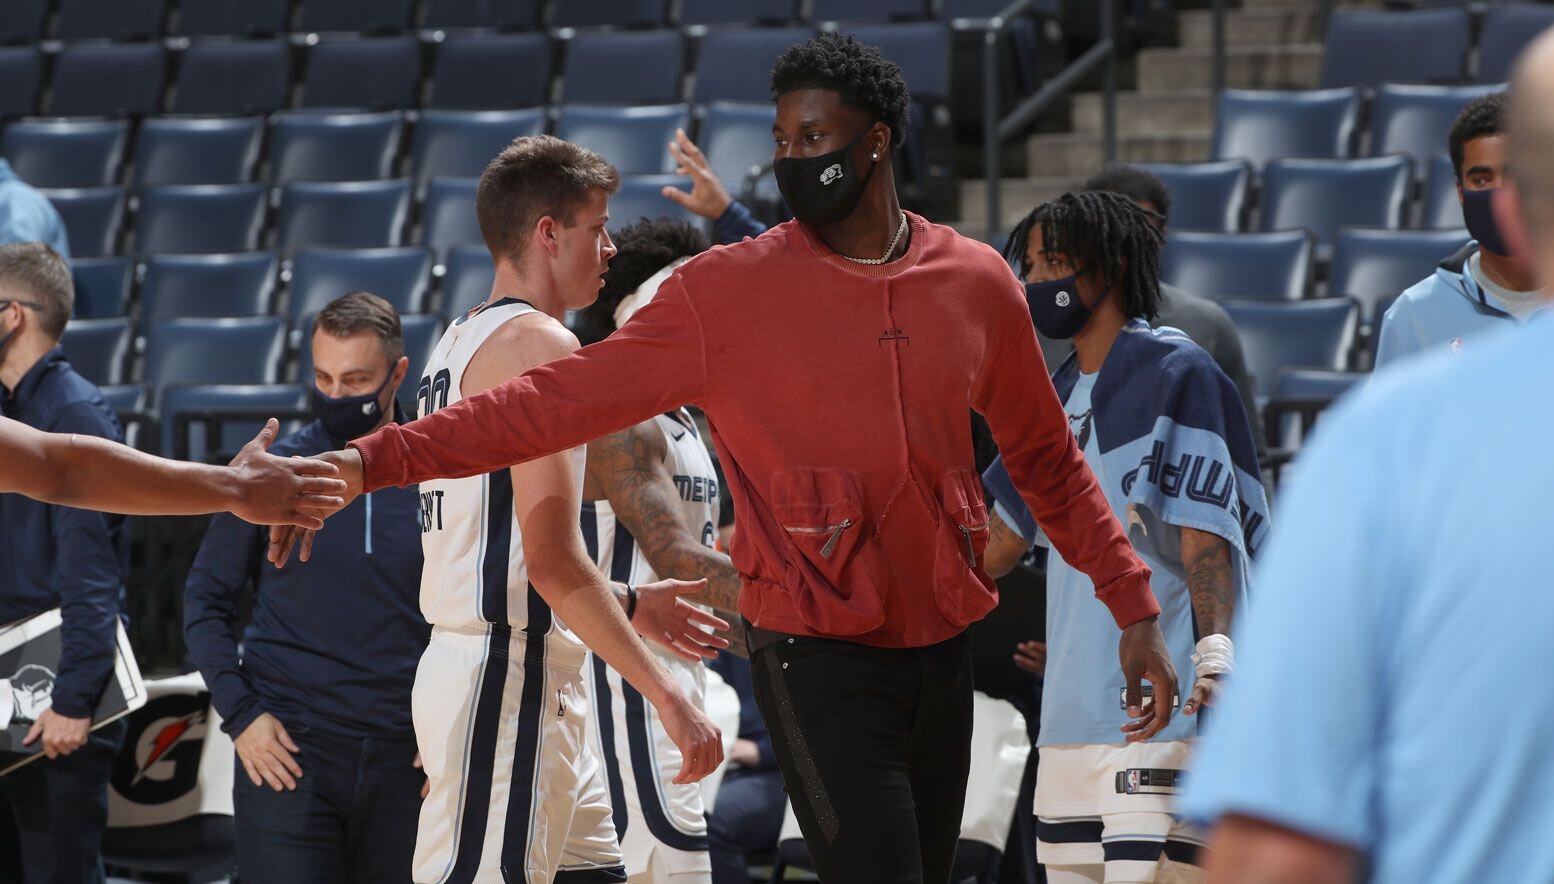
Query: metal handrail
x=996 y=130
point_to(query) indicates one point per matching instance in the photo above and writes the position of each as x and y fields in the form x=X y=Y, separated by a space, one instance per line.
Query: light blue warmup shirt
x=1393 y=691
x=1448 y=310
x=27 y=215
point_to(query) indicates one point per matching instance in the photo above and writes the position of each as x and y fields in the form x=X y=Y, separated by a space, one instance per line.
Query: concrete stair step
x=1142 y=114
x=1261 y=26
x=1295 y=66
x=1017 y=196
x=1078 y=155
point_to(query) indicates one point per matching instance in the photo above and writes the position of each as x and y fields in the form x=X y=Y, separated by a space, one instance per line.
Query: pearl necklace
x=900 y=232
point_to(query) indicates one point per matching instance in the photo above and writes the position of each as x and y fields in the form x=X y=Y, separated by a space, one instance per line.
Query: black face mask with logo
x=348 y=417
x=1478 y=214
x=1056 y=308
x=823 y=189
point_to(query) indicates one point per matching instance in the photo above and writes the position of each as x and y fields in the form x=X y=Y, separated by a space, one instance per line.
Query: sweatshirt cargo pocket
x=963 y=591
x=832 y=570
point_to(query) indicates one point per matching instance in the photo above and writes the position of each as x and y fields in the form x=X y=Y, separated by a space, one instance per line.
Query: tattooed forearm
x=1211 y=581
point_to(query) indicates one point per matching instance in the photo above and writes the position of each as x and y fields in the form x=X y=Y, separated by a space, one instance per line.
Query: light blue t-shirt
x=1082 y=688
x=27 y=215
x=1393 y=693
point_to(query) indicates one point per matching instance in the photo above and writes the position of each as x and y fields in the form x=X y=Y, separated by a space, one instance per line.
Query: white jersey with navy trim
x=662 y=825
x=474 y=572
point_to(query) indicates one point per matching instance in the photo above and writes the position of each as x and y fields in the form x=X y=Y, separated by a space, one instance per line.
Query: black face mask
x=823 y=189
x=348 y=417
x=1056 y=308
x=1478 y=213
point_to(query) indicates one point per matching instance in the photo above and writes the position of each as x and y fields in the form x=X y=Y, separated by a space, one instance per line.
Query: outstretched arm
x=91 y=473
x=628 y=469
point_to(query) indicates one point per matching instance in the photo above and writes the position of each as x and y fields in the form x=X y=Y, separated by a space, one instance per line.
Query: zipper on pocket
x=971 y=548
x=834 y=530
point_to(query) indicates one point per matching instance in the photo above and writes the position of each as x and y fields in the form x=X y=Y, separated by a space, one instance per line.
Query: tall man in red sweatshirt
x=836 y=357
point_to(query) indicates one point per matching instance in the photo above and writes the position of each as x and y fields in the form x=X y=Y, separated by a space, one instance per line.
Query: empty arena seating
x=1368 y=47
x=1262 y=266
x=200 y=219
x=1258 y=125
x=65 y=153
x=460 y=144
x=343 y=214
x=311 y=146
x=1369 y=265
x=1325 y=195
x=233 y=77
x=635 y=139
x=102 y=285
x=400 y=275
x=93 y=216
x=1205 y=196
x=196 y=150
x=99 y=348
x=1306 y=334
x=108 y=79
x=491 y=71
x=207 y=286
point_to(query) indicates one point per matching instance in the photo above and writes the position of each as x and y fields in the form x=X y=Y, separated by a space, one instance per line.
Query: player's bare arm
x=1005 y=547
x=1248 y=851
x=628 y=469
x=1211 y=583
x=91 y=473
x=547 y=501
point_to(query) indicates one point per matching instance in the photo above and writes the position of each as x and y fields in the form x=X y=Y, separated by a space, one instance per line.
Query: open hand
x=283 y=491
x=678 y=625
x=708 y=197
x=1031 y=656
x=347 y=464
x=266 y=751
x=1144 y=657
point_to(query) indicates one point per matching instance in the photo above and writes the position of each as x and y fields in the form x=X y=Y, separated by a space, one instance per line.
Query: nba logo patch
x=1133 y=782
x=1456 y=345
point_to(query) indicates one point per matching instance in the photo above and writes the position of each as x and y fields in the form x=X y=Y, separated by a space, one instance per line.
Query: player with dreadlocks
x=1165 y=432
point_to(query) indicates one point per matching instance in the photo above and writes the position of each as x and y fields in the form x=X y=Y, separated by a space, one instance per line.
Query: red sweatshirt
x=838 y=396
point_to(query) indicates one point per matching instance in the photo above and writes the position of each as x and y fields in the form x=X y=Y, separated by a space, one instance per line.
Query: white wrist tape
x=1215 y=655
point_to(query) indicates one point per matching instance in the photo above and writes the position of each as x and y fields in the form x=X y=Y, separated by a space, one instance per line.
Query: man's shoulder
x=76 y=405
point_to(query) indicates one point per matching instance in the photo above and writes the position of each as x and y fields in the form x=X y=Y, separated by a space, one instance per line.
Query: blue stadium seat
x=174 y=150
x=1258 y=125
x=634 y=139
x=1308 y=334
x=200 y=219
x=1416 y=120
x=99 y=348
x=1368 y=47
x=491 y=71
x=1325 y=195
x=124 y=397
x=21 y=21
x=189 y=399
x=462 y=143
x=317 y=146
x=233 y=77
x=736 y=138
x=318 y=276
x=65 y=153
x=232 y=18
x=737 y=12
x=1506 y=30
x=616 y=13
x=1205 y=196
x=93 y=216
x=421 y=333
x=1308 y=387
x=735 y=64
x=214 y=351
x=520 y=14
x=346 y=214
x=448 y=215
x=110 y=19
x=867 y=10
x=641 y=196
x=102 y=286
x=1369 y=265
x=1442 y=208
x=108 y=80
x=207 y=286
x=353 y=16
x=922 y=49
x=468 y=279
x=21 y=73
x=337 y=74
x=1260 y=266
x=594 y=60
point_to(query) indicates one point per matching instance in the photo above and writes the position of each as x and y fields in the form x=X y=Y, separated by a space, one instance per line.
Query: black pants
x=352 y=818
x=54 y=813
x=875 y=747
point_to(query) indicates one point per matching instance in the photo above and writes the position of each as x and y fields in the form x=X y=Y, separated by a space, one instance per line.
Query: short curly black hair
x=860 y=74
x=642 y=249
x=1480 y=118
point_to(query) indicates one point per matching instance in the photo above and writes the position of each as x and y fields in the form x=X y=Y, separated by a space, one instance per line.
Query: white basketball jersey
x=474 y=573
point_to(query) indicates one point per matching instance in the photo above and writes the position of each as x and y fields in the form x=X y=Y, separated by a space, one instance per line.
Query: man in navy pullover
x=54 y=812
x=317 y=693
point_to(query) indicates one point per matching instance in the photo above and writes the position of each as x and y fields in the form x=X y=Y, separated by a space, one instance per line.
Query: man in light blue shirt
x=1390 y=716
x=27 y=215
x=1480 y=288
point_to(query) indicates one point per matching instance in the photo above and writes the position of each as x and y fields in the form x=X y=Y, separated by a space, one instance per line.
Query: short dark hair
x=642 y=249
x=364 y=311
x=1480 y=118
x=859 y=74
x=534 y=177
x=1139 y=185
x=1102 y=233
x=43 y=278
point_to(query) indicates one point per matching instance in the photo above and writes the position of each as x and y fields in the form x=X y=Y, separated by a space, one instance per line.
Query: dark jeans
x=746 y=817
x=875 y=746
x=352 y=817
x=54 y=813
